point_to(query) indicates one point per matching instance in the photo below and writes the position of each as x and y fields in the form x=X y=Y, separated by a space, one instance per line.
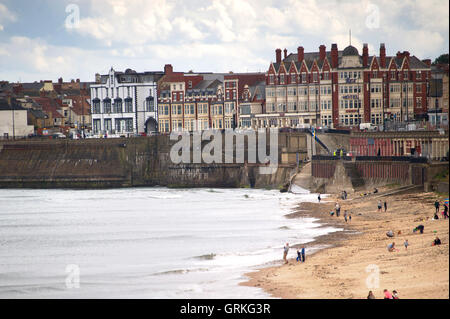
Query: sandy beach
x=358 y=257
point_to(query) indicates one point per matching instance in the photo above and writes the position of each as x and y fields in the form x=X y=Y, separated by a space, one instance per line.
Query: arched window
x=117 y=105
x=128 y=105
x=150 y=104
x=96 y=106
x=107 y=105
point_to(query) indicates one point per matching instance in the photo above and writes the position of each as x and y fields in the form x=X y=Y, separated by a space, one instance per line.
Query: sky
x=48 y=39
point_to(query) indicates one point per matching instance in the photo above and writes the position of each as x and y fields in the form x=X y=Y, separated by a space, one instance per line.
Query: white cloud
x=6 y=16
x=222 y=35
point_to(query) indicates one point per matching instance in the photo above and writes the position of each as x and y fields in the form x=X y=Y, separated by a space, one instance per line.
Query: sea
x=146 y=242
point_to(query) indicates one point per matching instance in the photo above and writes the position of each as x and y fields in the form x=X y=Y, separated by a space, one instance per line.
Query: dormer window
x=281 y=78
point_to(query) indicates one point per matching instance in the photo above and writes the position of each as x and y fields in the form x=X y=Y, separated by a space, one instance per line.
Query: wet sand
x=358 y=255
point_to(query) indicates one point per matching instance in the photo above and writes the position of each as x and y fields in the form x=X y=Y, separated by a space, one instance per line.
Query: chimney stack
x=334 y=56
x=322 y=52
x=382 y=55
x=60 y=80
x=300 y=54
x=278 y=55
x=427 y=62
x=285 y=53
x=168 y=69
x=365 y=54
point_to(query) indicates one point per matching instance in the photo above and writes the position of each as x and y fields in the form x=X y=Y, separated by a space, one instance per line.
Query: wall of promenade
x=333 y=174
x=142 y=161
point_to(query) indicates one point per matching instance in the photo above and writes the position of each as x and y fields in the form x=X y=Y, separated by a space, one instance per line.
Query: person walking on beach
x=285 y=252
x=338 y=209
x=350 y=217
x=299 y=256
x=436 y=205
x=303 y=254
x=406 y=244
x=318 y=198
x=445 y=211
x=385 y=206
x=379 y=206
x=345 y=216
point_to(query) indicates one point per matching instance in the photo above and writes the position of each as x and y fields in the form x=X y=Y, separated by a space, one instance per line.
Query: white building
x=125 y=103
x=13 y=121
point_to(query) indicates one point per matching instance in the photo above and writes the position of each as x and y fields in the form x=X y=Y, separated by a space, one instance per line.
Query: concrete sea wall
x=103 y=163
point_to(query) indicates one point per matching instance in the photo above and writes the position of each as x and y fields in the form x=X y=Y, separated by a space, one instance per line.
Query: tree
x=442 y=59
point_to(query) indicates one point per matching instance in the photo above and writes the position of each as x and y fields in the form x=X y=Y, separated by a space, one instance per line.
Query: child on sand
x=379 y=206
x=406 y=244
x=391 y=247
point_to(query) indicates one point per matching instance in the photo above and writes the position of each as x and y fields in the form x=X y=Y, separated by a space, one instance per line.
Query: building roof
x=49 y=105
x=38 y=114
x=5 y=106
x=349 y=51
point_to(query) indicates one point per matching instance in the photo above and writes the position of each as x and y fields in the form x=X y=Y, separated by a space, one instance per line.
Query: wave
x=206 y=257
x=178 y=271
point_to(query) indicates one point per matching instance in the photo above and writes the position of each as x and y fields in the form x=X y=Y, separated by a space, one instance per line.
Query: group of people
x=380 y=206
x=301 y=254
x=444 y=212
x=387 y=294
x=391 y=247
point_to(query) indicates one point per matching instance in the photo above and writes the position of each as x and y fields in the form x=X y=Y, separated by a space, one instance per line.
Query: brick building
x=196 y=101
x=343 y=88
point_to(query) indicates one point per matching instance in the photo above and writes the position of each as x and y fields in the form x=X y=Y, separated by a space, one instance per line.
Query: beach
x=356 y=259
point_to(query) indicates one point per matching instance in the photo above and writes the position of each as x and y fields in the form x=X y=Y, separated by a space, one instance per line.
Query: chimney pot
x=168 y=69
x=322 y=52
x=365 y=54
x=278 y=55
x=382 y=55
x=300 y=54
x=334 y=55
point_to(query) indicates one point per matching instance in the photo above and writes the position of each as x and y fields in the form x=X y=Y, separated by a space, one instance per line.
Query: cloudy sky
x=46 y=39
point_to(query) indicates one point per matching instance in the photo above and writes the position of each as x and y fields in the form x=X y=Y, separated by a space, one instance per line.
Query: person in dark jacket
x=419 y=228
x=436 y=205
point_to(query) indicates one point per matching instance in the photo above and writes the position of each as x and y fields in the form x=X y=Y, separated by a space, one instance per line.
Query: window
x=303 y=76
x=128 y=105
x=282 y=78
x=149 y=104
x=96 y=126
x=96 y=106
x=108 y=125
x=315 y=78
x=293 y=78
x=271 y=79
x=129 y=125
x=418 y=88
x=117 y=108
x=107 y=106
